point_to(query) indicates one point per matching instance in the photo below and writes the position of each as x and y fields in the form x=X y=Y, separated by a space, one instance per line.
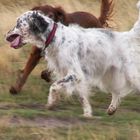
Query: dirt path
x=48 y=122
x=38 y=122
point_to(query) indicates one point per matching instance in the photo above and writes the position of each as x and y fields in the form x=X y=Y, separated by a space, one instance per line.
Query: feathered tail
x=106 y=14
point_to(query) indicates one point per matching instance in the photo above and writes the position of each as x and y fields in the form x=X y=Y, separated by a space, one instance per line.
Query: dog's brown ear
x=60 y=15
x=51 y=15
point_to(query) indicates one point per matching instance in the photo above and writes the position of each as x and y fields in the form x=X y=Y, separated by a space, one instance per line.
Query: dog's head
x=29 y=28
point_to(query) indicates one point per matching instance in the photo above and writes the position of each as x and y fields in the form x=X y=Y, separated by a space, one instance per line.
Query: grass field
x=24 y=117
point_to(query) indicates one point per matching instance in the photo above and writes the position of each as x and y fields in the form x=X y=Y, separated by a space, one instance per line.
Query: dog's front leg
x=86 y=106
x=23 y=74
x=67 y=85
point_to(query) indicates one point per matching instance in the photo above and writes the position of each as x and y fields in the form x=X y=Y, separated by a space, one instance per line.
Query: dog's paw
x=88 y=116
x=46 y=75
x=13 y=90
x=111 y=110
x=50 y=106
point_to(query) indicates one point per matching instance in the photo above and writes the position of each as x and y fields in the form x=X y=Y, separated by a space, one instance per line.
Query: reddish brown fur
x=84 y=19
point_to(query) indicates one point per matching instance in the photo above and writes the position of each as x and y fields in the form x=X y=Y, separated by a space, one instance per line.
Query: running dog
x=83 y=58
x=58 y=14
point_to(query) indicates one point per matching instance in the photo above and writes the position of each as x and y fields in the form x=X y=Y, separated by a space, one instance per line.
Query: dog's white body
x=86 y=58
x=98 y=58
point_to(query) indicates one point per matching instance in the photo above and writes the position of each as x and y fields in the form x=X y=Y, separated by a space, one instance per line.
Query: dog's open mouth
x=15 y=41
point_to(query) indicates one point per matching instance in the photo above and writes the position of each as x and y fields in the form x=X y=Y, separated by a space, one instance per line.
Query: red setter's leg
x=23 y=74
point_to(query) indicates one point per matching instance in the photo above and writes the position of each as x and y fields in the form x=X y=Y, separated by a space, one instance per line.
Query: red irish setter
x=58 y=14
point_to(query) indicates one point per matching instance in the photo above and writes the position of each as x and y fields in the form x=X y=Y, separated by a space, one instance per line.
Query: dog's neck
x=46 y=38
x=51 y=35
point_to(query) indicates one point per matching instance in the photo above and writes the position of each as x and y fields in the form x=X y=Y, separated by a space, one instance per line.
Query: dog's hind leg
x=132 y=77
x=114 y=104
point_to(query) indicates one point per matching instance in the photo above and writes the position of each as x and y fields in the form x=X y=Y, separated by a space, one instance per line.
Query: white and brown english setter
x=83 y=58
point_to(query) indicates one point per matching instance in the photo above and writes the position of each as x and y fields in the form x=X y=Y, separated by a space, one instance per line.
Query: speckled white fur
x=86 y=58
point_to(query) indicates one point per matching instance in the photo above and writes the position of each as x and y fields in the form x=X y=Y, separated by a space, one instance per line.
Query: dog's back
x=84 y=19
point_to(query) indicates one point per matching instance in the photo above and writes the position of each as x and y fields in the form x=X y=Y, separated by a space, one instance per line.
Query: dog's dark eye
x=34 y=28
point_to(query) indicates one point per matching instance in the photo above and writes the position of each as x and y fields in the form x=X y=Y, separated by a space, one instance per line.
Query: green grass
x=30 y=105
x=124 y=125
x=95 y=130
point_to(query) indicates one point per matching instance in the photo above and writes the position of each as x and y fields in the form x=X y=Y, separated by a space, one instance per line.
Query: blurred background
x=25 y=117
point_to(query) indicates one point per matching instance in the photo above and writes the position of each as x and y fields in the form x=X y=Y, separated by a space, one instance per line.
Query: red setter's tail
x=107 y=7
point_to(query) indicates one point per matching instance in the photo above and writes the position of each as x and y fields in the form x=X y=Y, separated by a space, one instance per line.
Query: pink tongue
x=16 y=42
